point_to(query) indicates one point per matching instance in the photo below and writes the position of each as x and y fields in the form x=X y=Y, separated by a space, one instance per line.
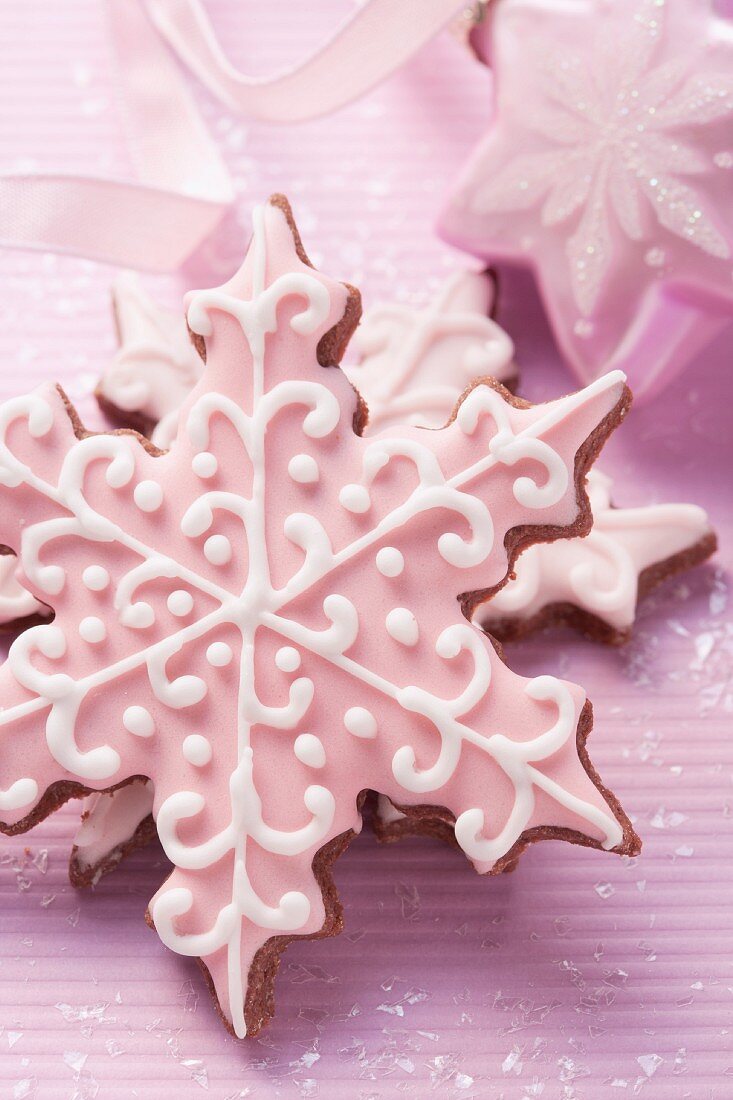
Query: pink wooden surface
x=579 y=976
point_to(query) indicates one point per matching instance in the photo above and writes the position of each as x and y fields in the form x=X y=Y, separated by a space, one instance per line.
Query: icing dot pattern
x=95 y=578
x=287 y=659
x=138 y=721
x=197 y=750
x=355 y=498
x=205 y=465
x=402 y=626
x=361 y=722
x=309 y=750
x=218 y=549
x=180 y=603
x=304 y=469
x=148 y=496
x=219 y=654
x=390 y=561
x=92 y=630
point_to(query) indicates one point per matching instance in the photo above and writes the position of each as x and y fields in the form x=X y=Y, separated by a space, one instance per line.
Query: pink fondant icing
x=413 y=366
x=402 y=373
x=213 y=607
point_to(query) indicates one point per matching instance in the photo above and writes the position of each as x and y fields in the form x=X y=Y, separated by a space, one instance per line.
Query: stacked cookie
x=272 y=523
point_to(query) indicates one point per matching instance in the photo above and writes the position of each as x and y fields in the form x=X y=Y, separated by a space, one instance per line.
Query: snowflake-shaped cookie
x=413 y=366
x=403 y=353
x=269 y=619
x=413 y=363
x=607 y=170
x=156 y=365
x=595 y=583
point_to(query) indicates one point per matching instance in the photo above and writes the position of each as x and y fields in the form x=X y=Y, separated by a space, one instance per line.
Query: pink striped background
x=581 y=975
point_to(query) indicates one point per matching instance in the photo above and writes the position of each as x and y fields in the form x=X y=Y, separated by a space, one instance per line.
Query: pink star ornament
x=608 y=171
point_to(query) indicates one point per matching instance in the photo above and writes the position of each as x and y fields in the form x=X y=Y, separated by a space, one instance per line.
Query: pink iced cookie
x=264 y=621
x=113 y=825
x=607 y=171
x=414 y=363
x=595 y=583
x=155 y=367
x=413 y=366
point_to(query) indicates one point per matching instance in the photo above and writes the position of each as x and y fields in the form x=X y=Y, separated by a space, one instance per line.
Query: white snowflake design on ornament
x=414 y=363
x=613 y=120
x=264 y=622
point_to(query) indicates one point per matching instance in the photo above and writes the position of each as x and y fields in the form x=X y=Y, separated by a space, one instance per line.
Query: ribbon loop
x=183 y=187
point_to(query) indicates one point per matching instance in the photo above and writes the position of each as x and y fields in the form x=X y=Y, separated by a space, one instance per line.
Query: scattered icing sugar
x=650 y=1063
x=189 y=997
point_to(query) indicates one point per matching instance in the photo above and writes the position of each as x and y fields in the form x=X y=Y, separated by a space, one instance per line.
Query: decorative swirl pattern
x=237 y=653
x=599 y=575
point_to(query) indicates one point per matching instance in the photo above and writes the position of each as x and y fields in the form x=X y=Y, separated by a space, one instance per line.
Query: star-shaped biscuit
x=413 y=366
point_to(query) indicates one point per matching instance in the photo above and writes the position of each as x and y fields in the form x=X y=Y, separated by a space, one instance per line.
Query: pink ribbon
x=183 y=187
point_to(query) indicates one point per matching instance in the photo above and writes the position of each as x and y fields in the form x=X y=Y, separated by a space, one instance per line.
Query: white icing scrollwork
x=198 y=604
